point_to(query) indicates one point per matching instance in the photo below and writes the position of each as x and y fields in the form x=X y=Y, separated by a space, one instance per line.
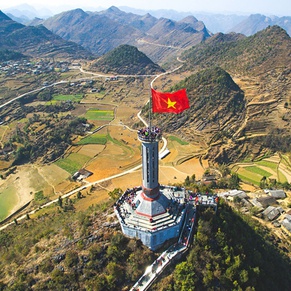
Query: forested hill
x=233 y=129
x=126 y=60
x=230 y=252
x=63 y=249
x=253 y=55
x=7 y=55
x=217 y=106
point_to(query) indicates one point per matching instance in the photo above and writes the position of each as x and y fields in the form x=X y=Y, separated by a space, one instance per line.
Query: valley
x=112 y=138
x=74 y=91
x=124 y=99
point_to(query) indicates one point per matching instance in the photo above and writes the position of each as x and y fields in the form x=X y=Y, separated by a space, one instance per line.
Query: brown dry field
x=91 y=150
x=29 y=179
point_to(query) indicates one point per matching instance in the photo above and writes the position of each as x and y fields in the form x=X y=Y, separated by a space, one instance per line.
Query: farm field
x=273 y=168
x=97 y=114
x=95 y=138
x=72 y=97
x=72 y=162
x=7 y=199
x=115 y=148
x=20 y=187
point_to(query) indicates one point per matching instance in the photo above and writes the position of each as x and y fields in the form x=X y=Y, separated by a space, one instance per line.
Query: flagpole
x=151 y=86
x=150 y=106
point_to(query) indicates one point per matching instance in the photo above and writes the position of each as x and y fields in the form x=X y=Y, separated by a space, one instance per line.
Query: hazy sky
x=267 y=7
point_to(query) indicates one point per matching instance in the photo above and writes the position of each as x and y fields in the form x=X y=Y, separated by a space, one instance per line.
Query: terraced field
x=276 y=167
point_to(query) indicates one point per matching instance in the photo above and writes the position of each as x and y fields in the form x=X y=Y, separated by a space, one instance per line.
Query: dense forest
x=9 y=55
x=230 y=252
x=64 y=249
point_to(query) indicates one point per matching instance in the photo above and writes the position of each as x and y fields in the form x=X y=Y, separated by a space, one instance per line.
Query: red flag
x=174 y=102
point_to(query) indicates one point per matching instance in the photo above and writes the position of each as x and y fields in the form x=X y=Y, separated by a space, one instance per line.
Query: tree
x=224 y=170
x=263 y=182
x=115 y=194
x=60 y=201
x=71 y=259
x=187 y=181
x=233 y=182
x=184 y=277
x=5 y=240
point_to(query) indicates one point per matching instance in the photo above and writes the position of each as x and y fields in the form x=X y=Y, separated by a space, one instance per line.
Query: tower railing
x=149 y=134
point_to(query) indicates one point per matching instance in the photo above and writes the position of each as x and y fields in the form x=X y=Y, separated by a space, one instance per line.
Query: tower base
x=152 y=221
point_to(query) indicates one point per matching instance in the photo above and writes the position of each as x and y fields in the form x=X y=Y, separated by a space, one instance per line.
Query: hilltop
x=237 y=54
x=217 y=107
x=260 y=66
x=126 y=60
x=62 y=248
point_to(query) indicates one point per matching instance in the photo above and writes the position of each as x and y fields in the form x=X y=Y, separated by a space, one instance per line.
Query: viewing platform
x=149 y=134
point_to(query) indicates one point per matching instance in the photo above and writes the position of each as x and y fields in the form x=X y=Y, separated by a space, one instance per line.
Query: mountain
x=220 y=22
x=257 y=22
x=36 y=41
x=126 y=60
x=266 y=50
x=216 y=106
x=103 y=31
x=260 y=67
x=96 y=32
x=26 y=12
x=213 y=21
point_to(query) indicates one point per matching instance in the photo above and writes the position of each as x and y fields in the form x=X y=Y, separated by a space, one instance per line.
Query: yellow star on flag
x=171 y=103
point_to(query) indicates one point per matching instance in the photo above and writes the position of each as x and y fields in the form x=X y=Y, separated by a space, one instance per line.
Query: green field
x=52 y=102
x=94 y=139
x=73 y=162
x=254 y=172
x=281 y=177
x=259 y=171
x=174 y=138
x=96 y=114
x=248 y=176
x=268 y=164
x=73 y=98
x=8 y=198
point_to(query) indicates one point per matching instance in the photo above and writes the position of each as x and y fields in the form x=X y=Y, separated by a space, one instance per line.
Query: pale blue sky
x=267 y=7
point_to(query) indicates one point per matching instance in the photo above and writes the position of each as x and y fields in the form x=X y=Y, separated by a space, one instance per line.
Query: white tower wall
x=150 y=162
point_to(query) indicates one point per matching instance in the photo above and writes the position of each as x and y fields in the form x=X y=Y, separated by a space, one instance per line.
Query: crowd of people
x=128 y=196
x=149 y=133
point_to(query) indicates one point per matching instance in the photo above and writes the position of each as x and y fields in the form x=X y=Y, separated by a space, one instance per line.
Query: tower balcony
x=149 y=134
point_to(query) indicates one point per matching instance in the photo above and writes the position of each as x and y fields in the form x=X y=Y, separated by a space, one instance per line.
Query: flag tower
x=153 y=212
